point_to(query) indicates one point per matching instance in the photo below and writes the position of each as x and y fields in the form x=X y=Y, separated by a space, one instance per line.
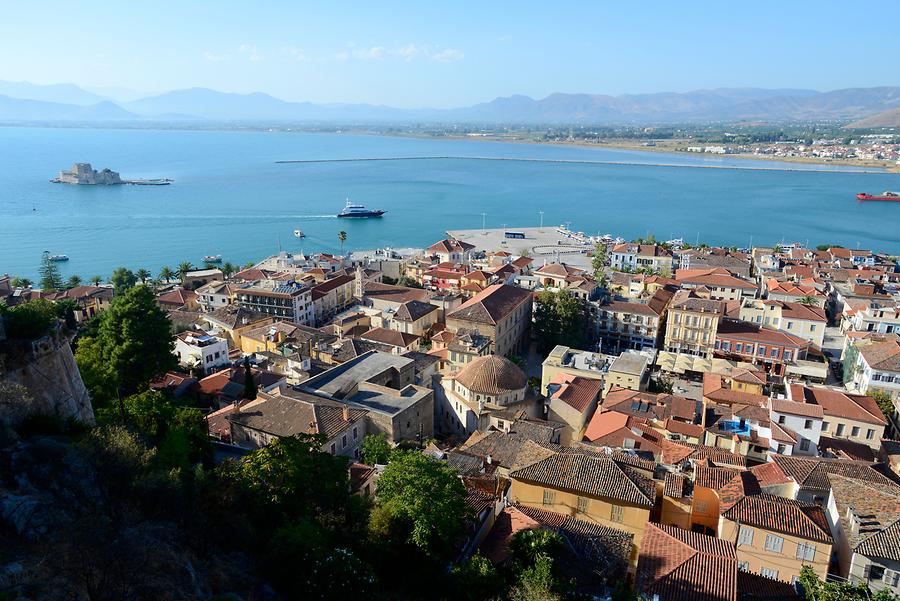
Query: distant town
x=633 y=418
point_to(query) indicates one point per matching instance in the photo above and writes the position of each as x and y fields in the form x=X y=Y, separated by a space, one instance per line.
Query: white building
x=201 y=350
x=802 y=419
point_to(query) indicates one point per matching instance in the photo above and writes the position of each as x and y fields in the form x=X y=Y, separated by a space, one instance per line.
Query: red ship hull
x=862 y=197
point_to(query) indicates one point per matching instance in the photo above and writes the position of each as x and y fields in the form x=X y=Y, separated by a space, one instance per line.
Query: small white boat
x=58 y=258
x=212 y=259
x=299 y=234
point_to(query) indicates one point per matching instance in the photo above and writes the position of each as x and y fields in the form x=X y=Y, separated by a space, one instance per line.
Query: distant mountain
x=65 y=93
x=17 y=109
x=718 y=105
x=889 y=118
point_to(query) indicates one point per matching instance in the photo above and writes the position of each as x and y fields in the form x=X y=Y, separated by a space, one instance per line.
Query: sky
x=448 y=54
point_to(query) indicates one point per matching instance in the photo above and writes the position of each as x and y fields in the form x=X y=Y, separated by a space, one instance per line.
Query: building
x=775 y=537
x=414 y=317
x=200 y=277
x=692 y=324
x=284 y=301
x=629 y=370
x=383 y=385
x=806 y=321
x=231 y=321
x=622 y=325
x=198 y=350
x=400 y=342
x=804 y=420
x=451 y=251
x=501 y=313
x=679 y=565
x=594 y=488
x=90 y=300
x=485 y=385
x=874 y=365
x=572 y=401
x=716 y=283
x=269 y=338
x=179 y=298
x=648 y=257
x=766 y=347
x=254 y=424
x=849 y=416
x=214 y=295
x=331 y=297
x=791 y=292
x=865 y=517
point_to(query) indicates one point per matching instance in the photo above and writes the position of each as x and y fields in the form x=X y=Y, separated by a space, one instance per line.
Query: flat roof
x=346 y=376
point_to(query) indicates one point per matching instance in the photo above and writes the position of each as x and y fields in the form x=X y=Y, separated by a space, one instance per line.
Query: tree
x=19 y=282
x=250 y=388
x=598 y=264
x=143 y=275
x=183 y=269
x=376 y=449
x=885 y=403
x=424 y=500
x=73 y=282
x=342 y=237
x=808 y=300
x=96 y=280
x=166 y=273
x=51 y=280
x=476 y=579
x=816 y=590
x=29 y=320
x=228 y=269
x=559 y=318
x=132 y=344
x=122 y=279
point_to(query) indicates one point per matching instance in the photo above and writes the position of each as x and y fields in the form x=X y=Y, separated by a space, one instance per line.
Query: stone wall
x=41 y=378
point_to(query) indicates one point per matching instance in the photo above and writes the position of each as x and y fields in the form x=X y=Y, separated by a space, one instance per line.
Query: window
x=738 y=347
x=781 y=449
x=788 y=355
x=616 y=513
x=769 y=573
x=781 y=419
x=774 y=543
x=840 y=430
x=761 y=351
x=745 y=536
x=891 y=578
x=875 y=572
x=701 y=506
x=825 y=426
x=808 y=424
x=806 y=552
x=870 y=434
x=774 y=352
x=790 y=325
x=804 y=445
x=812 y=328
x=744 y=566
x=549 y=497
x=355 y=433
x=854 y=432
x=333 y=449
x=344 y=441
x=582 y=504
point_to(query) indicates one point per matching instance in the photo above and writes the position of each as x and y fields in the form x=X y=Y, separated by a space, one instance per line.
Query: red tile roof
x=786 y=516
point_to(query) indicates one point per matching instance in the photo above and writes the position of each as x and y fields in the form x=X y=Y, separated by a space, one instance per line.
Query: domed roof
x=492 y=375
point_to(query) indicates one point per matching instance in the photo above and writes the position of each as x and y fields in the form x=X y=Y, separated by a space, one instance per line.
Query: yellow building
x=776 y=537
x=501 y=313
x=691 y=324
x=267 y=338
x=595 y=489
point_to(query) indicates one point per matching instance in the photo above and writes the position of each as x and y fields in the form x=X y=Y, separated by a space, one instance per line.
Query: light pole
x=482 y=222
x=542 y=220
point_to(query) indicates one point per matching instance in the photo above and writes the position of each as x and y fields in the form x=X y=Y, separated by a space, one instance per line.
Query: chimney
x=345 y=413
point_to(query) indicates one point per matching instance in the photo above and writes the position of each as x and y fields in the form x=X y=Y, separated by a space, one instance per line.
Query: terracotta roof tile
x=786 y=516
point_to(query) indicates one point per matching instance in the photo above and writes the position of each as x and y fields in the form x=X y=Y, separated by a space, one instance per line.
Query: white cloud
x=373 y=53
x=448 y=55
x=297 y=54
x=408 y=52
x=213 y=57
x=249 y=51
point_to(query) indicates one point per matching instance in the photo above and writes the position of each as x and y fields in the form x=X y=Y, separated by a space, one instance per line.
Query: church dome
x=492 y=375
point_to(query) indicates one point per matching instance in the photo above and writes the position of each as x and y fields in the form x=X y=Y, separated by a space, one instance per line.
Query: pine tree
x=51 y=280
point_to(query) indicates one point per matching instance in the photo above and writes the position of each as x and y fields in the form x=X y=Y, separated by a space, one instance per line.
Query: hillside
x=889 y=118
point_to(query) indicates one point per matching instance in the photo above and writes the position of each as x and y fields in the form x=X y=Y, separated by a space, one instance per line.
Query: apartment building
x=285 y=301
x=501 y=313
x=692 y=323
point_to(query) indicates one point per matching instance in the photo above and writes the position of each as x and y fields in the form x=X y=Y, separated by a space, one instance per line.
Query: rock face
x=83 y=173
x=42 y=379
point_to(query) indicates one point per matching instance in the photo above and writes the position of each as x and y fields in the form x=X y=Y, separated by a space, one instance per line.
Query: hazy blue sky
x=454 y=53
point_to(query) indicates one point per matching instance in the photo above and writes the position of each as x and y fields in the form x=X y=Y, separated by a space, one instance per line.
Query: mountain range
x=23 y=101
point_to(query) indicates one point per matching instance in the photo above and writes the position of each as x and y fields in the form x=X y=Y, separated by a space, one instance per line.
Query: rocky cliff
x=41 y=378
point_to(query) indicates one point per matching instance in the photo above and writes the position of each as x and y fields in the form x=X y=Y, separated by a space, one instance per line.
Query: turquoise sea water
x=230 y=197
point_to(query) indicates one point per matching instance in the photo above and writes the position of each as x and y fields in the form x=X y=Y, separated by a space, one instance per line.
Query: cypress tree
x=249 y=384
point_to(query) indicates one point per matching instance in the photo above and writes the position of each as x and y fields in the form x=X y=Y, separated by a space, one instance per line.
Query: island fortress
x=84 y=174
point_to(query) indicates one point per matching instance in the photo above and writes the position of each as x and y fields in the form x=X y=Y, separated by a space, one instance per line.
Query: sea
x=232 y=197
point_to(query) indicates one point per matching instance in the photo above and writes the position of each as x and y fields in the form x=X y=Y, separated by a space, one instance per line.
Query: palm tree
x=166 y=273
x=95 y=281
x=808 y=300
x=74 y=281
x=143 y=275
x=342 y=236
x=183 y=269
x=228 y=269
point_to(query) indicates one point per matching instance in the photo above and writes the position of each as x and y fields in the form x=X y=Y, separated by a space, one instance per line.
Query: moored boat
x=886 y=196
x=58 y=258
x=299 y=234
x=212 y=259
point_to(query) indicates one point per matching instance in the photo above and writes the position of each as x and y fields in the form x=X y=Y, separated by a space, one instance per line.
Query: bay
x=231 y=197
